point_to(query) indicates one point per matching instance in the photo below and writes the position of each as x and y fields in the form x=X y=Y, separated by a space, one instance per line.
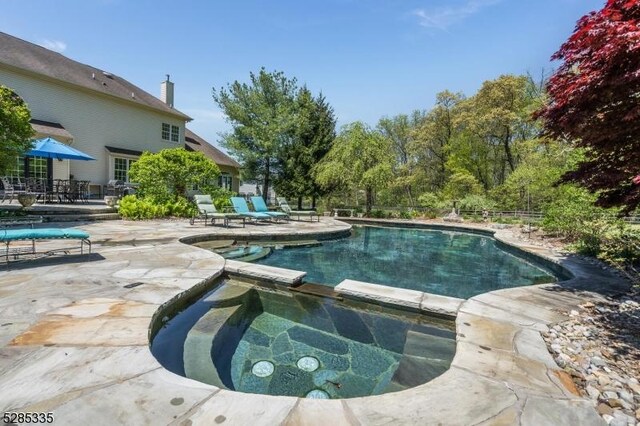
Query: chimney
x=166 y=92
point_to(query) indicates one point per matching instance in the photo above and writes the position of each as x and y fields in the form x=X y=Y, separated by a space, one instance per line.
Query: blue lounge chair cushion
x=260 y=206
x=240 y=206
x=41 y=234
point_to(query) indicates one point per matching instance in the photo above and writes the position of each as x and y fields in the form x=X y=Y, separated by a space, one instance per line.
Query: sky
x=370 y=58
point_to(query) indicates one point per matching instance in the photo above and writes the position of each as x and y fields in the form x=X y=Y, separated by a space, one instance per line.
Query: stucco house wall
x=95 y=120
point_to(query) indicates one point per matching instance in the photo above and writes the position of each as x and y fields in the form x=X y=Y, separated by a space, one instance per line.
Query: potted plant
x=26 y=200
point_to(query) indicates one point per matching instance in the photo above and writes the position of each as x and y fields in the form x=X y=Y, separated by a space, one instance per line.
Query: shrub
x=508 y=220
x=378 y=214
x=132 y=207
x=166 y=175
x=221 y=197
x=621 y=246
x=567 y=215
x=431 y=201
x=476 y=203
x=180 y=208
x=460 y=185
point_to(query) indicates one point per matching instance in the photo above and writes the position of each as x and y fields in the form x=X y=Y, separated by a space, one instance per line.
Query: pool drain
x=317 y=394
x=308 y=363
x=262 y=369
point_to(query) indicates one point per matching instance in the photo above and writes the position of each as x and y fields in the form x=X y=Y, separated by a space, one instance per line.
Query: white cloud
x=443 y=17
x=55 y=45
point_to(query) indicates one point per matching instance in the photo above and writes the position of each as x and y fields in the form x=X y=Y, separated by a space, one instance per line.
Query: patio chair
x=261 y=207
x=37 y=187
x=83 y=191
x=207 y=210
x=8 y=190
x=7 y=236
x=241 y=207
x=307 y=213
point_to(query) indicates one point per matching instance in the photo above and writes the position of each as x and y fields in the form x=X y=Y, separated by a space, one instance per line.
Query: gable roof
x=24 y=55
x=196 y=143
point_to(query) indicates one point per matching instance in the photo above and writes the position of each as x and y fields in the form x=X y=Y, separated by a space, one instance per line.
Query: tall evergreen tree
x=311 y=138
x=262 y=114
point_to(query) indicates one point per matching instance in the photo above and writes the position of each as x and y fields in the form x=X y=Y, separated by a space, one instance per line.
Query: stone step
x=80 y=217
x=197 y=357
x=60 y=209
x=227 y=295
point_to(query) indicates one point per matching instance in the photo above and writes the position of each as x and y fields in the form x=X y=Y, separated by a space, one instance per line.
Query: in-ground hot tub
x=252 y=339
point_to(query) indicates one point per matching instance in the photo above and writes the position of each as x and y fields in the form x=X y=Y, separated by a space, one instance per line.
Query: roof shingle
x=196 y=143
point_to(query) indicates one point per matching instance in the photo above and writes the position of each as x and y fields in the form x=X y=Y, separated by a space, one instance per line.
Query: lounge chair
x=7 y=236
x=207 y=211
x=307 y=213
x=261 y=207
x=241 y=207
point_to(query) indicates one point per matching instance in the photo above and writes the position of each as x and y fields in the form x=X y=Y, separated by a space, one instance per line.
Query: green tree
x=359 y=158
x=532 y=183
x=433 y=139
x=400 y=131
x=166 y=175
x=461 y=184
x=262 y=114
x=496 y=121
x=311 y=138
x=15 y=130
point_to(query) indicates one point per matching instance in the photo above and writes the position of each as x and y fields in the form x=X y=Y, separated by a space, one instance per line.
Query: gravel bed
x=599 y=346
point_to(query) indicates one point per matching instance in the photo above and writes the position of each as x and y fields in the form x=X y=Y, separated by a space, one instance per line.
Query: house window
x=38 y=169
x=175 y=134
x=121 y=168
x=166 y=131
x=225 y=181
x=170 y=132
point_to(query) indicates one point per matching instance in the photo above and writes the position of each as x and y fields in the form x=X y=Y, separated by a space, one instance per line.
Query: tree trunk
x=408 y=189
x=299 y=203
x=507 y=150
x=265 y=182
x=313 y=202
x=369 y=191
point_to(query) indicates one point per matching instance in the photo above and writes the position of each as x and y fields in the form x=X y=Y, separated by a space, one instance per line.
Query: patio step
x=71 y=217
x=56 y=212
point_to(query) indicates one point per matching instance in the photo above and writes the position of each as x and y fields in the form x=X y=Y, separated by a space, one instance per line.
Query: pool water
x=278 y=342
x=448 y=263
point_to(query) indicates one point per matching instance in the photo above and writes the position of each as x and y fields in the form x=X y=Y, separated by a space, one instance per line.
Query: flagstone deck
x=74 y=341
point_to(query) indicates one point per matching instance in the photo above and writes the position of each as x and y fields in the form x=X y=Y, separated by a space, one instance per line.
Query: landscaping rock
x=599 y=347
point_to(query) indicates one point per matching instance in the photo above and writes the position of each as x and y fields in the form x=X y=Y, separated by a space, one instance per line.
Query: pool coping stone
x=502 y=372
x=413 y=300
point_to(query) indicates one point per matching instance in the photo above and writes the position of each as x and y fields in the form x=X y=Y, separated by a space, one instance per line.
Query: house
x=98 y=113
x=229 y=168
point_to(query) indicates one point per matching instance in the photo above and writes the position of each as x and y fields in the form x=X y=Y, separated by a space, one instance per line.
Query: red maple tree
x=595 y=102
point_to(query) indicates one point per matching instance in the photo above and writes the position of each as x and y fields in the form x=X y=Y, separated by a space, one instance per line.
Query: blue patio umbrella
x=51 y=148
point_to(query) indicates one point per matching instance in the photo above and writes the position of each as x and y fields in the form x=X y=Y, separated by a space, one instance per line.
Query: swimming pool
x=448 y=263
x=246 y=338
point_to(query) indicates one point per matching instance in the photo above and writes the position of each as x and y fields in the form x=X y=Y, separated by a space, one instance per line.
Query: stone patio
x=74 y=335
